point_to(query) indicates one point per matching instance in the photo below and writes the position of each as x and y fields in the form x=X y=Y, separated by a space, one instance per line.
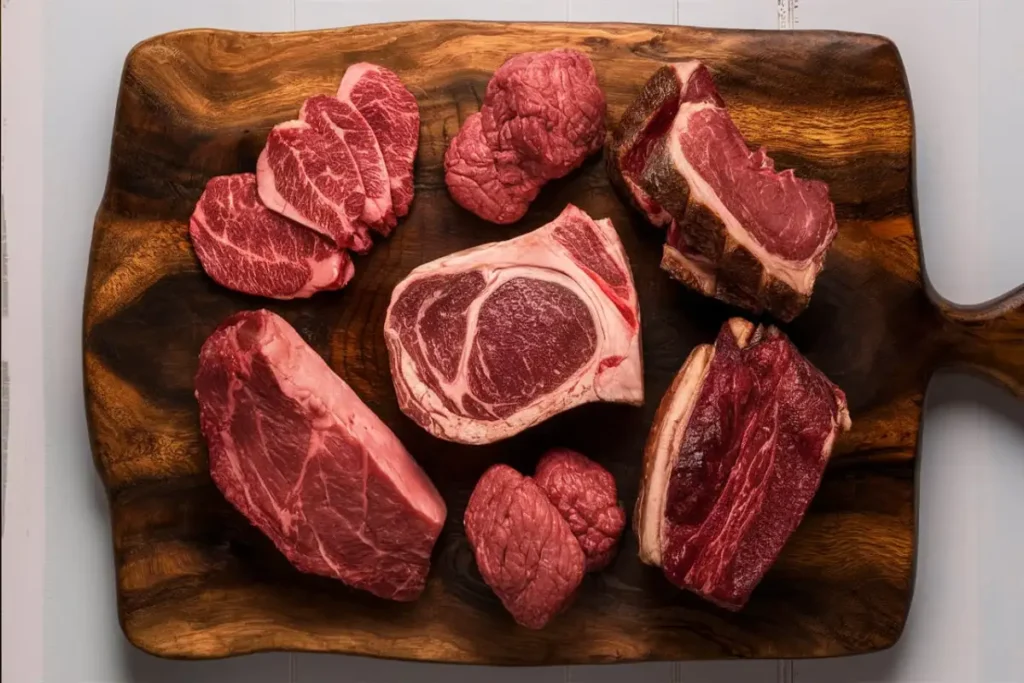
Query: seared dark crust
x=659 y=87
x=740 y=278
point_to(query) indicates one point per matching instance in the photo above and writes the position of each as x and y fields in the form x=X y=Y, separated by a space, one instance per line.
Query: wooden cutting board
x=195 y=580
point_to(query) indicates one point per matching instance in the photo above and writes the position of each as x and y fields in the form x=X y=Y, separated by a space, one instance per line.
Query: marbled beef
x=491 y=340
x=737 y=229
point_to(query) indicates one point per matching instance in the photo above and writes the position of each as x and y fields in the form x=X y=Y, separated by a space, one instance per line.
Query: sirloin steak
x=738 y=230
x=488 y=341
x=736 y=453
x=246 y=247
x=524 y=550
x=585 y=495
x=294 y=450
x=542 y=115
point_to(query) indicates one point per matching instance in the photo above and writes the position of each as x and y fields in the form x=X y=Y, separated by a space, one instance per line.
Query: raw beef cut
x=308 y=172
x=584 y=494
x=391 y=110
x=246 y=247
x=296 y=451
x=344 y=121
x=524 y=550
x=736 y=453
x=738 y=230
x=542 y=115
x=491 y=340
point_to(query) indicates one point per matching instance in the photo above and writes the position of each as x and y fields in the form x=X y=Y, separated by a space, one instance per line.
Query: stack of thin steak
x=323 y=183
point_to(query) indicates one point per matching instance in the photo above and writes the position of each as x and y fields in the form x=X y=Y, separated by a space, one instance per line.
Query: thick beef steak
x=491 y=340
x=244 y=246
x=393 y=115
x=542 y=115
x=735 y=455
x=524 y=549
x=296 y=451
x=585 y=495
x=737 y=229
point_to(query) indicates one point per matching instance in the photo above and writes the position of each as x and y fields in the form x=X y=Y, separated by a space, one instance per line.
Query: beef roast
x=393 y=115
x=524 y=549
x=294 y=450
x=738 y=230
x=244 y=246
x=585 y=495
x=542 y=115
x=736 y=453
x=489 y=341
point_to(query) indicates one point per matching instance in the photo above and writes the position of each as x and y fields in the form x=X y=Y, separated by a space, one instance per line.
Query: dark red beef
x=585 y=495
x=736 y=453
x=542 y=115
x=738 y=230
x=524 y=549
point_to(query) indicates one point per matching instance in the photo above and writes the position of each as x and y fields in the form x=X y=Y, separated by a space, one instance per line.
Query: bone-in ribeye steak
x=737 y=229
x=309 y=464
x=736 y=453
x=542 y=115
x=585 y=495
x=244 y=246
x=491 y=340
x=524 y=549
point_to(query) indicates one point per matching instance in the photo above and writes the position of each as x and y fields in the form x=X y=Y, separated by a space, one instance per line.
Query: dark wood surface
x=195 y=580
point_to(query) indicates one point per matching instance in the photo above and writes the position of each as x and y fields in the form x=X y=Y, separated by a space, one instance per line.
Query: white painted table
x=61 y=65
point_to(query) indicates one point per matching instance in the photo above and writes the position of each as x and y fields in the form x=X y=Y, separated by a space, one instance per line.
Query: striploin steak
x=736 y=453
x=585 y=495
x=488 y=341
x=294 y=450
x=244 y=246
x=524 y=549
x=738 y=230
x=542 y=115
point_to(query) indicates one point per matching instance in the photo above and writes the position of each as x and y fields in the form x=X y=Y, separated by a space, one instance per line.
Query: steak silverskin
x=542 y=116
x=296 y=451
x=736 y=452
x=737 y=229
x=489 y=341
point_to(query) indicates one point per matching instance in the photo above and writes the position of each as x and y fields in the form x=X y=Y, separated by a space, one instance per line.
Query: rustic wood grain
x=195 y=580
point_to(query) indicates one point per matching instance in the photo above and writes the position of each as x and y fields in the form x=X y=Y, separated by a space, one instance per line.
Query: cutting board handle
x=986 y=339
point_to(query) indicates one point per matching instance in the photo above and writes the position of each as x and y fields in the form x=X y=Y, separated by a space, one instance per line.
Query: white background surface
x=61 y=66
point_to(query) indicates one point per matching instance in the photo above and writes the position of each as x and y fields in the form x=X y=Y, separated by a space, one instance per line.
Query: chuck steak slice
x=307 y=172
x=491 y=340
x=542 y=115
x=738 y=230
x=392 y=113
x=585 y=495
x=244 y=246
x=524 y=550
x=294 y=450
x=736 y=453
